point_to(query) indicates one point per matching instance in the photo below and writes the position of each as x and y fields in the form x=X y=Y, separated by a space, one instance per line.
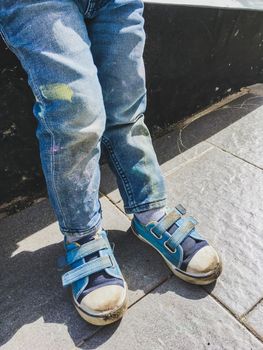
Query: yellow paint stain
x=57 y=92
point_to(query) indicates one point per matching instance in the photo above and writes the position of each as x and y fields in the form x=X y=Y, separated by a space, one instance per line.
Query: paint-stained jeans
x=89 y=84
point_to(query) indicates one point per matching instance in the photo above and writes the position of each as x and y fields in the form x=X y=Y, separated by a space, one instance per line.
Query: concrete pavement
x=213 y=166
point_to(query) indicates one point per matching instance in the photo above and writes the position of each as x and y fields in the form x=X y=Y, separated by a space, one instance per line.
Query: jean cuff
x=145 y=206
x=75 y=234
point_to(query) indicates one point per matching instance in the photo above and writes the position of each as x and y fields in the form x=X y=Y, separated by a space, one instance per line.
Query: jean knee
x=70 y=111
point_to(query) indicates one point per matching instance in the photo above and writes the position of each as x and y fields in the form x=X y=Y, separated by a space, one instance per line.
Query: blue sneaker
x=186 y=253
x=98 y=288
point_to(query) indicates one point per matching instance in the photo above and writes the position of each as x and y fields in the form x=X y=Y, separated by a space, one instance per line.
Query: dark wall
x=21 y=178
x=196 y=56
x=193 y=57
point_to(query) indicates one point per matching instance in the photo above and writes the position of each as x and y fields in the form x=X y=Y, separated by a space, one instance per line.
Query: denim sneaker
x=187 y=254
x=99 y=290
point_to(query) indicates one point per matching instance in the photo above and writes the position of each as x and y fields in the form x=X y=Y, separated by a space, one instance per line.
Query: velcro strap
x=179 y=235
x=166 y=223
x=86 y=269
x=86 y=249
x=181 y=209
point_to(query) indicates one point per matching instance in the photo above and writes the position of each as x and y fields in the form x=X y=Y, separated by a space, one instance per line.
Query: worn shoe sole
x=102 y=319
x=200 y=279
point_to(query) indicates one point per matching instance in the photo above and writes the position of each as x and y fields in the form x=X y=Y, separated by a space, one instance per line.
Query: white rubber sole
x=102 y=319
x=200 y=279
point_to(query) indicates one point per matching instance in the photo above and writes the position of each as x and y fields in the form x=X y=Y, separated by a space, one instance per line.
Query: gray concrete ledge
x=226 y=4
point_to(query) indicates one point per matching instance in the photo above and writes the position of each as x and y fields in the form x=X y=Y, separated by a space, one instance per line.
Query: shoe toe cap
x=105 y=298
x=204 y=261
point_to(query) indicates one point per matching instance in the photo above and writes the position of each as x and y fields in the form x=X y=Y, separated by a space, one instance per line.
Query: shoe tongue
x=80 y=241
x=86 y=239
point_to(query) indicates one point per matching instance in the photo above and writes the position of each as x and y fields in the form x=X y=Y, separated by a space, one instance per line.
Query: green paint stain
x=57 y=92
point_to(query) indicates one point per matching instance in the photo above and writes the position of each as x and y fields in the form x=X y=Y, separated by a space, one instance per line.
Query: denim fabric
x=89 y=84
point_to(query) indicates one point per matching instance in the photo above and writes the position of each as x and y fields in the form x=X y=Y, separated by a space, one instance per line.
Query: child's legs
x=117 y=38
x=51 y=40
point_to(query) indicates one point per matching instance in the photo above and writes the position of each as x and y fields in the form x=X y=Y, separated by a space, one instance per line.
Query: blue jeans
x=89 y=85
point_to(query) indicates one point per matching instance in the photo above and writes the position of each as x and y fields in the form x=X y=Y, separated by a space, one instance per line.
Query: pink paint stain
x=54 y=149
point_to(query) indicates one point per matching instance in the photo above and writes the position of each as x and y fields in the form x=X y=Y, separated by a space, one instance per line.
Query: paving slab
x=198 y=129
x=175 y=316
x=254 y=320
x=225 y=194
x=243 y=138
x=34 y=307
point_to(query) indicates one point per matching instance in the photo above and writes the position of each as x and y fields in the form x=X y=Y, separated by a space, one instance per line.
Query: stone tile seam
x=234 y=155
x=112 y=202
x=175 y=169
x=238 y=319
x=85 y=340
x=245 y=314
x=252 y=330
